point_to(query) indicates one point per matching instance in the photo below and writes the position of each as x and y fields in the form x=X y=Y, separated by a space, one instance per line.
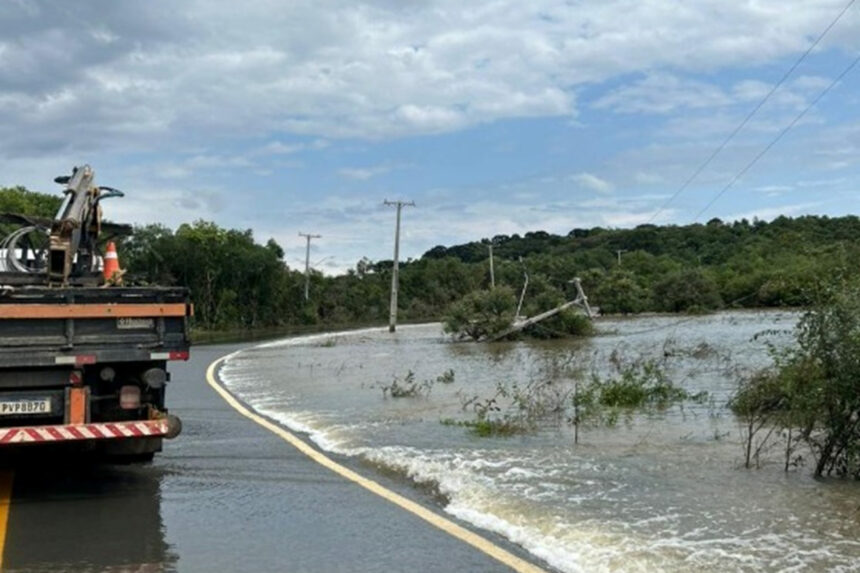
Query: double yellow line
x=481 y=544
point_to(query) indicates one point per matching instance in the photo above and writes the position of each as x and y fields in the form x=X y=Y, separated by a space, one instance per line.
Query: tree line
x=237 y=281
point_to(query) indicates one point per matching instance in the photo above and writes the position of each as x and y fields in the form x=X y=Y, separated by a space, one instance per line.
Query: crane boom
x=76 y=228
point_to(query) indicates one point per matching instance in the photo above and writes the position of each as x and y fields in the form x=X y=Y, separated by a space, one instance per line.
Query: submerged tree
x=481 y=314
x=760 y=405
x=814 y=389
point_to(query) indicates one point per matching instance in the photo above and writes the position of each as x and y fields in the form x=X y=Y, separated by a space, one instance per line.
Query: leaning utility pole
x=392 y=315
x=308 y=236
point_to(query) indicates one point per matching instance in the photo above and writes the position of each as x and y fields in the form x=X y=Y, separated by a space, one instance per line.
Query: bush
x=620 y=293
x=481 y=314
x=814 y=386
x=687 y=291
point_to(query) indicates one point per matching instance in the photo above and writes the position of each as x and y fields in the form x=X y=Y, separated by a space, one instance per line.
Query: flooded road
x=227 y=495
x=659 y=491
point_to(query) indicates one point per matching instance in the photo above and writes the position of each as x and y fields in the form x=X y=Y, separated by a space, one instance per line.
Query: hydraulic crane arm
x=77 y=226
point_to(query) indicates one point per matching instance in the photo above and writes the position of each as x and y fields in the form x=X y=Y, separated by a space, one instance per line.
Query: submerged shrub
x=481 y=314
x=568 y=322
x=564 y=394
x=687 y=291
x=640 y=384
x=406 y=387
x=813 y=390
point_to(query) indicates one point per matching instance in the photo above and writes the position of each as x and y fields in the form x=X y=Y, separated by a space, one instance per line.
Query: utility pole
x=523 y=293
x=492 y=273
x=392 y=315
x=308 y=236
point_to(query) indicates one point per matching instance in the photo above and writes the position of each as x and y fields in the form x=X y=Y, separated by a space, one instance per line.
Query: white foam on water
x=476 y=498
x=530 y=499
x=482 y=488
x=309 y=423
x=461 y=478
x=323 y=337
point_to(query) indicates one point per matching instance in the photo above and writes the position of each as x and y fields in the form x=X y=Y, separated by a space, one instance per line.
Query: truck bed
x=43 y=327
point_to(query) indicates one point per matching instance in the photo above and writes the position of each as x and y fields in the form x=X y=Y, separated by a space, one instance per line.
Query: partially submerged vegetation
x=564 y=394
x=409 y=387
x=489 y=314
x=811 y=395
x=635 y=386
x=481 y=314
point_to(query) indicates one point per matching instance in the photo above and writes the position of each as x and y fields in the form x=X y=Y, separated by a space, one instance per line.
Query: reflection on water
x=659 y=491
x=70 y=517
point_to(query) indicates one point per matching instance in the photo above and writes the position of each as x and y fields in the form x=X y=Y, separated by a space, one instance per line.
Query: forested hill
x=238 y=282
x=683 y=268
x=714 y=243
x=677 y=267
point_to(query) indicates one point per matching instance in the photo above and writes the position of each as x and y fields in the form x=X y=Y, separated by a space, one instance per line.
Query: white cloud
x=279 y=148
x=370 y=70
x=821 y=182
x=592 y=182
x=210 y=98
x=363 y=173
x=770 y=213
x=647 y=178
x=773 y=190
x=661 y=94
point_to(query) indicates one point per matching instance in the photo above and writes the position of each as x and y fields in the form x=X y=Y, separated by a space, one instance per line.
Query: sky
x=494 y=117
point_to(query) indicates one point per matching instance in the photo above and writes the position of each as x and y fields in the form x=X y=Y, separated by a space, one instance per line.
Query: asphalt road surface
x=227 y=495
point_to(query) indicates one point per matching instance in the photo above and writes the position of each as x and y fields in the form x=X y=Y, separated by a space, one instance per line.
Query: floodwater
x=660 y=490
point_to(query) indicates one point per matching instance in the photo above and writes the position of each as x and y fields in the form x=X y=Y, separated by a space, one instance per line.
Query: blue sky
x=494 y=117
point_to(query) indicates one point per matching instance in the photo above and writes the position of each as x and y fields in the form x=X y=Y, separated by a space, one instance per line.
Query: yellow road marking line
x=5 y=501
x=501 y=555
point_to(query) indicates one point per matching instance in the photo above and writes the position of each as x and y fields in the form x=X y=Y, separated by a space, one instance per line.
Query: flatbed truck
x=83 y=360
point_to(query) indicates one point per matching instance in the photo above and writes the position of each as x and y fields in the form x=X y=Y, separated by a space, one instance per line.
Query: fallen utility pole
x=392 y=315
x=308 y=236
x=519 y=324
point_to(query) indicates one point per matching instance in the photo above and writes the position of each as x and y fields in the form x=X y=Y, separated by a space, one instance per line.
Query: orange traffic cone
x=111 y=262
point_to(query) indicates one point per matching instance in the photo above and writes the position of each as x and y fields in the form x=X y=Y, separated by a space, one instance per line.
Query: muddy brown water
x=661 y=490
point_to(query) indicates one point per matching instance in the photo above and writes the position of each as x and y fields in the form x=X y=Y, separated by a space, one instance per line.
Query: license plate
x=135 y=323
x=24 y=407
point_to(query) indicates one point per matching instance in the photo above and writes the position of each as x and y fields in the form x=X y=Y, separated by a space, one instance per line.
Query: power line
x=778 y=137
x=750 y=115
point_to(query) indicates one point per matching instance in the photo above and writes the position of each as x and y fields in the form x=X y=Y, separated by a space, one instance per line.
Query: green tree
x=828 y=358
x=21 y=201
x=481 y=314
x=619 y=292
x=687 y=291
x=813 y=391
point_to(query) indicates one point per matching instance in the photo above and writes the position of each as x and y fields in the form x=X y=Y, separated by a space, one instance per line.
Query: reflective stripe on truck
x=84 y=359
x=74 y=432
